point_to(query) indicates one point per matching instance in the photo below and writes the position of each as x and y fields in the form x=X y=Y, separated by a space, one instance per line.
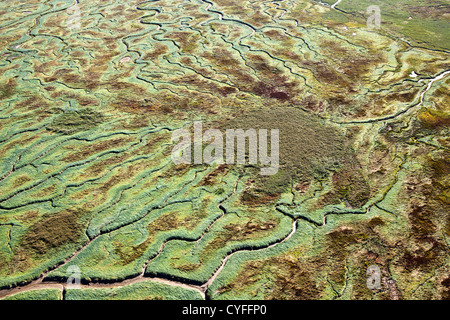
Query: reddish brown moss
x=210 y=179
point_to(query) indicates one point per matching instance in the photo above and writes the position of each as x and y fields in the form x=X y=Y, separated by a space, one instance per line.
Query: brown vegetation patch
x=159 y=49
x=238 y=232
x=309 y=148
x=431 y=118
x=85 y=152
x=21 y=180
x=8 y=89
x=53 y=231
x=291 y=279
x=350 y=185
x=429 y=12
x=211 y=178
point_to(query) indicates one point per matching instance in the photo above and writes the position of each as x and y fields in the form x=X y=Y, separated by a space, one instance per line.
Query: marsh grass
x=72 y=122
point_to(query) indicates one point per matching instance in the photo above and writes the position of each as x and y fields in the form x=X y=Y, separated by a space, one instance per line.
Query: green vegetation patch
x=139 y=291
x=38 y=294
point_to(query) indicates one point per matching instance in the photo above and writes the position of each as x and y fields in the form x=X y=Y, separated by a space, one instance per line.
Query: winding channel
x=42 y=283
